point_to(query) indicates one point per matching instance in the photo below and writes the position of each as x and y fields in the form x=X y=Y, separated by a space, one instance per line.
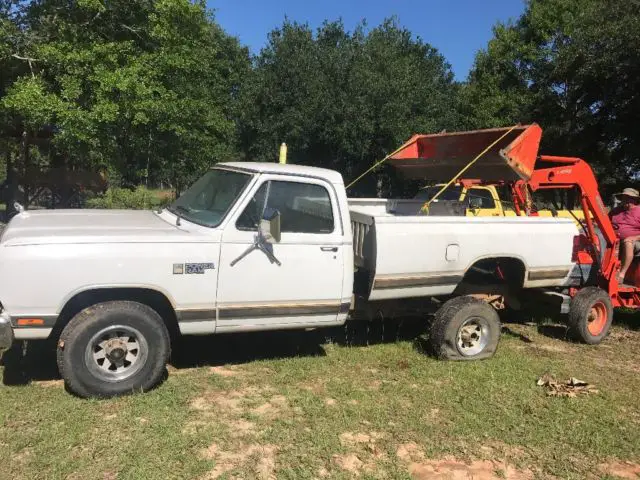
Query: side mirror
x=475 y=202
x=270 y=225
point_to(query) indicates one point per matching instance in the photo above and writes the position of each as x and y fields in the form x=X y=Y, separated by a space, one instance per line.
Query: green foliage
x=140 y=198
x=145 y=87
x=574 y=67
x=343 y=100
x=154 y=92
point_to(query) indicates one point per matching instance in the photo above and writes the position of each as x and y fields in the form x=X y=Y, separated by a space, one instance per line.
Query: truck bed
x=400 y=254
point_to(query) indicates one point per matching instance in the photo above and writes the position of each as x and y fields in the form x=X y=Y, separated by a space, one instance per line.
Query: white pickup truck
x=249 y=247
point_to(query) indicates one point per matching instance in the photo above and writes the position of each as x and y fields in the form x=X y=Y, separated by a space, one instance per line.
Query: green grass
x=290 y=406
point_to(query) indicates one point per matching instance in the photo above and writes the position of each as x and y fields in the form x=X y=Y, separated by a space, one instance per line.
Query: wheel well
x=507 y=270
x=152 y=298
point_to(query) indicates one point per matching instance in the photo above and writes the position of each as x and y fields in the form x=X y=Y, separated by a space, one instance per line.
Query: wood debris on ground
x=571 y=388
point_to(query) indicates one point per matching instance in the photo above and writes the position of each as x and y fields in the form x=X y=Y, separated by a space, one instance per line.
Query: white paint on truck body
x=48 y=257
x=407 y=254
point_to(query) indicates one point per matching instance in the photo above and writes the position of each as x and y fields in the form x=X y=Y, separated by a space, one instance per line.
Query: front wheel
x=112 y=349
x=590 y=315
x=465 y=328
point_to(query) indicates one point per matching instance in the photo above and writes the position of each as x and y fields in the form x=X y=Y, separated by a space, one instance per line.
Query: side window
x=486 y=200
x=303 y=207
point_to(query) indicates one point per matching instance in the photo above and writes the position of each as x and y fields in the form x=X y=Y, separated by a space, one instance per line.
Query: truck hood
x=89 y=226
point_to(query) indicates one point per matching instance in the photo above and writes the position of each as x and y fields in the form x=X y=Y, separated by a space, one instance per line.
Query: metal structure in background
x=57 y=186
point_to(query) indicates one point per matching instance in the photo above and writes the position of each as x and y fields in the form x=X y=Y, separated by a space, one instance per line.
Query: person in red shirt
x=626 y=222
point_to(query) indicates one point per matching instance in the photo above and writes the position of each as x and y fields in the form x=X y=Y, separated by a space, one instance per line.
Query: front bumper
x=6 y=333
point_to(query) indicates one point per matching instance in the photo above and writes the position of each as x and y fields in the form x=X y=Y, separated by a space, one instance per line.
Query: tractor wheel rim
x=597 y=318
x=116 y=353
x=473 y=336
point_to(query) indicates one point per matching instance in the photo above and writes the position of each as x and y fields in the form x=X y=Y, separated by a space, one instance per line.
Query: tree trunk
x=10 y=188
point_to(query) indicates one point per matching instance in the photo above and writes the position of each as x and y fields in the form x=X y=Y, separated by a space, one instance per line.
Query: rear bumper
x=6 y=333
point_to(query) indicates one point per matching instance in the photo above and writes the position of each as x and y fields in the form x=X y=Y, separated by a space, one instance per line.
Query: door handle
x=329 y=249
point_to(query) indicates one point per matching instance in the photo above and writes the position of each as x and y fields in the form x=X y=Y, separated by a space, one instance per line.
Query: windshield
x=451 y=193
x=209 y=199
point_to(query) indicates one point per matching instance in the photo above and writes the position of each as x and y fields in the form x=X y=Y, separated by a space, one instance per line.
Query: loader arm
x=570 y=172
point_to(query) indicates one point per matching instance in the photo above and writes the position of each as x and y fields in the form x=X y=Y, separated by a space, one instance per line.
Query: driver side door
x=305 y=289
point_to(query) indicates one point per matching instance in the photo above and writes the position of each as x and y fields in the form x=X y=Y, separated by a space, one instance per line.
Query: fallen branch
x=571 y=388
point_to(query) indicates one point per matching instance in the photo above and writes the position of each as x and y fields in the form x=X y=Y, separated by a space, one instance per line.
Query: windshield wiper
x=183 y=209
x=178 y=208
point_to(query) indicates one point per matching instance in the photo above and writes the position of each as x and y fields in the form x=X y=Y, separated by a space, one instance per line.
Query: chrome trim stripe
x=416 y=281
x=195 y=315
x=280 y=310
x=49 y=321
x=548 y=274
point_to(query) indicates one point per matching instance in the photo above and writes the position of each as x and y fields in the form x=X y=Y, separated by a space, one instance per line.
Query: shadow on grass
x=38 y=363
x=35 y=362
x=511 y=333
x=627 y=318
x=241 y=348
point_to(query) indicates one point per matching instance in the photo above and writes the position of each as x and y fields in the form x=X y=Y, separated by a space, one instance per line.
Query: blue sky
x=458 y=28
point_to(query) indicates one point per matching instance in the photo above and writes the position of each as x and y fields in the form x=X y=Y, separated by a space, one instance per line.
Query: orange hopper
x=439 y=157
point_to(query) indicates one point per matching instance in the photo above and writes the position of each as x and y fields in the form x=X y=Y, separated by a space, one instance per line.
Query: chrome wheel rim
x=473 y=336
x=116 y=353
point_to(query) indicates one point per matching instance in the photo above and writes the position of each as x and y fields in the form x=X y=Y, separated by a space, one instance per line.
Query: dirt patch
x=621 y=469
x=349 y=462
x=323 y=472
x=272 y=408
x=449 y=468
x=623 y=335
x=552 y=348
x=318 y=387
x=410 y=452
x=225 y=461
x=23 y=456
x=242 y=427
x=330 y=401
x=349 y=439
x=375 y=385
x=227 y=401
x=365 y=454
x=180 y=371
x=49 y=383
x=266 y=465
x=225 y=371
x=193 y=427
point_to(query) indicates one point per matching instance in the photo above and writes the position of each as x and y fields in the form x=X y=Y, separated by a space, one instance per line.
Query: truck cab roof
x=285 y=169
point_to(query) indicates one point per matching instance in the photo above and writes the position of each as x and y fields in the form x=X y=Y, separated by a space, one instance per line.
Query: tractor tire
x=112 y=349
x=590 y=315
x=465 y=328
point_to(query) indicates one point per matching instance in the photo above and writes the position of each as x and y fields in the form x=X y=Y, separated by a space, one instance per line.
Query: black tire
x=479 y=317
x=590 y=315
x=87 y=376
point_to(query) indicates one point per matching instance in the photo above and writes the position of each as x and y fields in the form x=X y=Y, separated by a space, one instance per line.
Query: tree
x=574 y=67
x=344 y=100
x=144 y=88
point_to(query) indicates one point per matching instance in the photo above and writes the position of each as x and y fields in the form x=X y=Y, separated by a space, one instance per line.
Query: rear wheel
x=465 y=328
x=590 y=315
x=113 y=348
